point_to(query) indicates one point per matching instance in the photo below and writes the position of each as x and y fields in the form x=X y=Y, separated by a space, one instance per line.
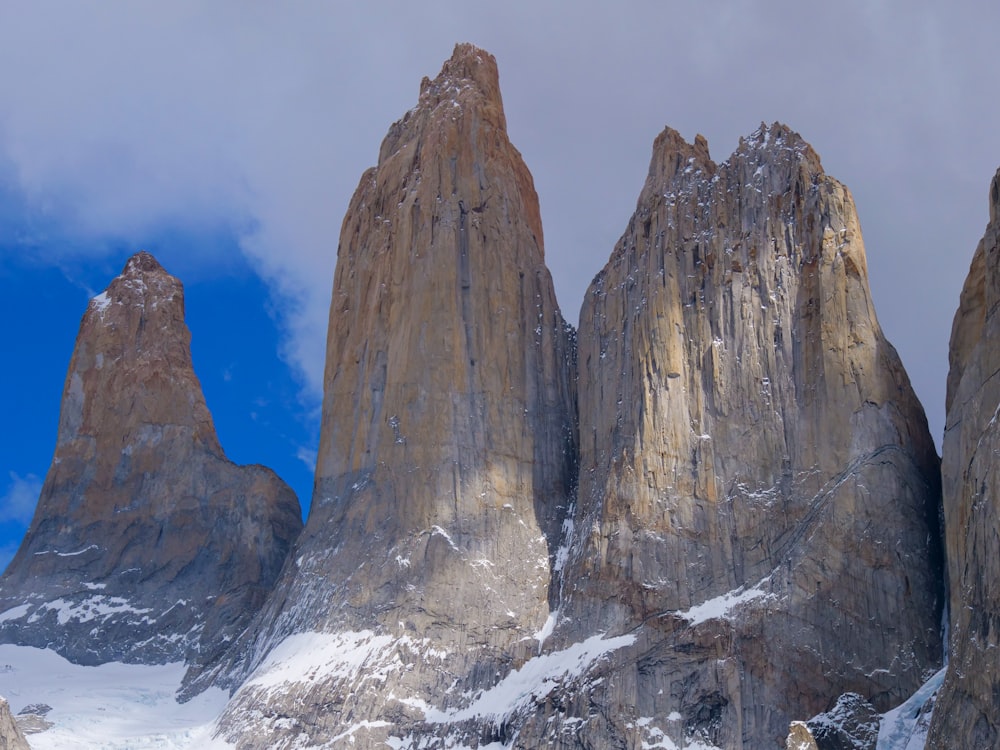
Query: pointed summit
x=674 y=157
x=469 y=73
x=147 y=544
x=142 y=262
x=459 y=113
x=133 y=340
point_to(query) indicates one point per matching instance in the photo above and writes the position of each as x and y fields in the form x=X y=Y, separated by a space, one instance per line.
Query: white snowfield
x=112 y=707
x=117 y=706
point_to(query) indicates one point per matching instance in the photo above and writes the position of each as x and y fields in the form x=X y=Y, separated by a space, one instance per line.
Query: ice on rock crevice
x=905 y=727
x=720 y=607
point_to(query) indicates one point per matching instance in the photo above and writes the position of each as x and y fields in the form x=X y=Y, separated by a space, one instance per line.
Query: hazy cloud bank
x=119 y=121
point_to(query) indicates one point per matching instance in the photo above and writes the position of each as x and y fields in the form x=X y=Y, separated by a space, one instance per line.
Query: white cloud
x=118 y=119
x=18 y=502
x=308 y=457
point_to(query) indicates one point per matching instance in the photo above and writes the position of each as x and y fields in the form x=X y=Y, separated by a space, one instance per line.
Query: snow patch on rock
x=536 y=678
x=720 y=607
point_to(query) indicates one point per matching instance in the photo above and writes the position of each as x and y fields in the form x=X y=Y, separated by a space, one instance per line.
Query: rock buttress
x=758 y=490
x=447 y=449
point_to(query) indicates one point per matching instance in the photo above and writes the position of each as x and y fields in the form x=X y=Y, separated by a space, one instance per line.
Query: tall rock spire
x=147 y=544
x=447 y=447
x=758 y=488
x=966 y=710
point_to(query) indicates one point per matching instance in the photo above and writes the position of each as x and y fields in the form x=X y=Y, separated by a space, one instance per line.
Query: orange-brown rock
x=967 y=713
x=448 y=440
x=147 y=544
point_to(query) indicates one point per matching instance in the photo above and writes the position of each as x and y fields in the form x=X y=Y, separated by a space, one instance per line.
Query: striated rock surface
x=147 y=544
x=447 y=451
x=967 y=714
x=758 y=494
x=11 y=737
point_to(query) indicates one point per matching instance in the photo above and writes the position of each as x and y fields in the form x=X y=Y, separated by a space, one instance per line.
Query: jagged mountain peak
x=777 y=137
x=674 y=158
x=676 y=161
x=732 y=377
x=448 y=436
x=778 y=146
x=142 y=262
x=133 y=338
x=459 y=113
x=469 y=72
x=462 y=99
x=147 y=544
x=143 y=280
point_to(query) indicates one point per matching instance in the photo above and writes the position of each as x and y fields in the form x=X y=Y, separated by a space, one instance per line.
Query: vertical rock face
x=447 y=448
x=758 y=489
x=966 y=711
x=147 y=544
x=11 y=736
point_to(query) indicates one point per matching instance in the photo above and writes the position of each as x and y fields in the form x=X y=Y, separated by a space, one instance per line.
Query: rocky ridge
x=147 y=544
x=966 y=712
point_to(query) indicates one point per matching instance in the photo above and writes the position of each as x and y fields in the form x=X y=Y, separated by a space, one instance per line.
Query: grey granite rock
x=759 y=493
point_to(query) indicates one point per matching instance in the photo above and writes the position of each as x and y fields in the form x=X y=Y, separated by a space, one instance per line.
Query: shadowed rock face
x=147 y=544
x=966 y=711
x=758 y=489
x=448 y=440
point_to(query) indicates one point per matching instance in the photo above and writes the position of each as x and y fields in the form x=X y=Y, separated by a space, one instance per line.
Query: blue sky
x=228 y=137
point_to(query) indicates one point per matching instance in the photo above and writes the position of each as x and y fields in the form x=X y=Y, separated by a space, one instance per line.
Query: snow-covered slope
x=112 y=706
x=905 y=727
x=117 y=706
